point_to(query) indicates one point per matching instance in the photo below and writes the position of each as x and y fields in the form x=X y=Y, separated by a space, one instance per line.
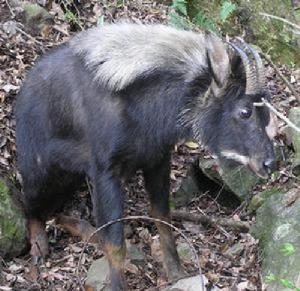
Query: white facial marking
x=236 y=157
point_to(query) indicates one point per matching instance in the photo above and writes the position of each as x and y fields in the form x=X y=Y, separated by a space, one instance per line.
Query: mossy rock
x=12 y=223
x=258 y=200
x=189 y=187
x=239 y=180
x=294 y=116
x=37 y=19
x=278 y=224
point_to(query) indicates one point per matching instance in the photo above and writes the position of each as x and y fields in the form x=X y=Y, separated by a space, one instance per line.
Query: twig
x=10 y=9
x=58 y=29
x=280 y=19
x=141 y=217
x=282 y=77
x=29 y=36
x=204 y=219
x=280 y=115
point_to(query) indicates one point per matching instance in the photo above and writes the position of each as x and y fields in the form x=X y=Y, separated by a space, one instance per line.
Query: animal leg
x=77 y=227
x=38 y=239
x=157 y=180
x=108 y=205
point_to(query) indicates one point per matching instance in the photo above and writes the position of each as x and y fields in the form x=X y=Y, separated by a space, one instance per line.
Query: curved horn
x=251 y=83
x=260 y=69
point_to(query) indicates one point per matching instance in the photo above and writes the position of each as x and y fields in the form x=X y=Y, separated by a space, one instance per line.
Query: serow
x=118 y=98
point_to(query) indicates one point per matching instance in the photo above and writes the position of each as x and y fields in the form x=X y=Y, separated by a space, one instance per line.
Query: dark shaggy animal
x=118 y=98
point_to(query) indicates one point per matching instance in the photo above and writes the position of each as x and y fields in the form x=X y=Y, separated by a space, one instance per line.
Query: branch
x=29 y=36
x=10 y=9
x=280 y=19
x=280 y=115
x=205 y=219
x=282 y=77
x=141 y=217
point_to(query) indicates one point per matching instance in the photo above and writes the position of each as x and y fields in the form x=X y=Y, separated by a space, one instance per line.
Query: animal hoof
x=39 y=246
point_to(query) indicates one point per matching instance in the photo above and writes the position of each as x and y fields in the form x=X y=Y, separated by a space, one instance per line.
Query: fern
x=180 y=6
x=178 y=21
x=226 y=10
x=202 y=21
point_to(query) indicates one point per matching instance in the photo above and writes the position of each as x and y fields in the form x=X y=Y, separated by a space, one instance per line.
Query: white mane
x=119 y=53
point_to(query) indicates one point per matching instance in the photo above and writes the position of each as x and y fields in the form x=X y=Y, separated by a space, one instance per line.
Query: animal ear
x=218 y=60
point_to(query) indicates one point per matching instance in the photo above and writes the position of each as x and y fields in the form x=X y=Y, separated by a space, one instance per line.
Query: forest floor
x=229 y=259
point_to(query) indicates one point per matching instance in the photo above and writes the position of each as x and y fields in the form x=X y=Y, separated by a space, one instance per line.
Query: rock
x=235 y=250
x=238 y=180
x=135 y=255
x=211 y=169
x=37 y=19
x=191 y=284
x=185 y=253
x=10 y=27
x=278 y=223
x=98 y=273
x=189 y=187
x=261 y=197
x=156 y=252
x=294 y=136
x=12 y=222
x=98 y=276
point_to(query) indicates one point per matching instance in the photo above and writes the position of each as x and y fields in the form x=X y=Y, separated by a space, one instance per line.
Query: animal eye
x=245 y=113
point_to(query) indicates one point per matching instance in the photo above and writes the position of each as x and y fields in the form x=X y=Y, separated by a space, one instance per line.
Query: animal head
x=230 y=124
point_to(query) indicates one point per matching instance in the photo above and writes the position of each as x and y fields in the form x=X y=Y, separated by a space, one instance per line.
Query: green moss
x=261 y=197
x=272 y=36
x=277 y=224
x=33 y=10
x=12 y=224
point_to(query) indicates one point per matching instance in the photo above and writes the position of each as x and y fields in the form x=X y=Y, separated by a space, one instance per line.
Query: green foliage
x=226 y=10
x=120 y=3
x=180 y=6
x=274 y=37
x=288 y=284
x=270 y=278
x=287 y=249
x=70 y=17
x=178 y=21
x=182 y=18
x=203 y=21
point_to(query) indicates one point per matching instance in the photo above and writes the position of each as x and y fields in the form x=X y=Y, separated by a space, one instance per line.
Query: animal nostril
x=269 y=164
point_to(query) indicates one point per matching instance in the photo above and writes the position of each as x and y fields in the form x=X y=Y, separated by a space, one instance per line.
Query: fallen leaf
x=192 y=145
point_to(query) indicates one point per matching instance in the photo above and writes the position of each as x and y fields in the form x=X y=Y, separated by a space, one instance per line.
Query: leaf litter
x=230 y=260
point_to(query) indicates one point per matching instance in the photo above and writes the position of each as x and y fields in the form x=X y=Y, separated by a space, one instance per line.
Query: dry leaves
x=228 y=259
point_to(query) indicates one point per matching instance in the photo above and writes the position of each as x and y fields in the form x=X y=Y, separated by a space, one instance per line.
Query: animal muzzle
x=261 y=166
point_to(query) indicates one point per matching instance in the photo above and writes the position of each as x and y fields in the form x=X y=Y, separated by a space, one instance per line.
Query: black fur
x=69 y=126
